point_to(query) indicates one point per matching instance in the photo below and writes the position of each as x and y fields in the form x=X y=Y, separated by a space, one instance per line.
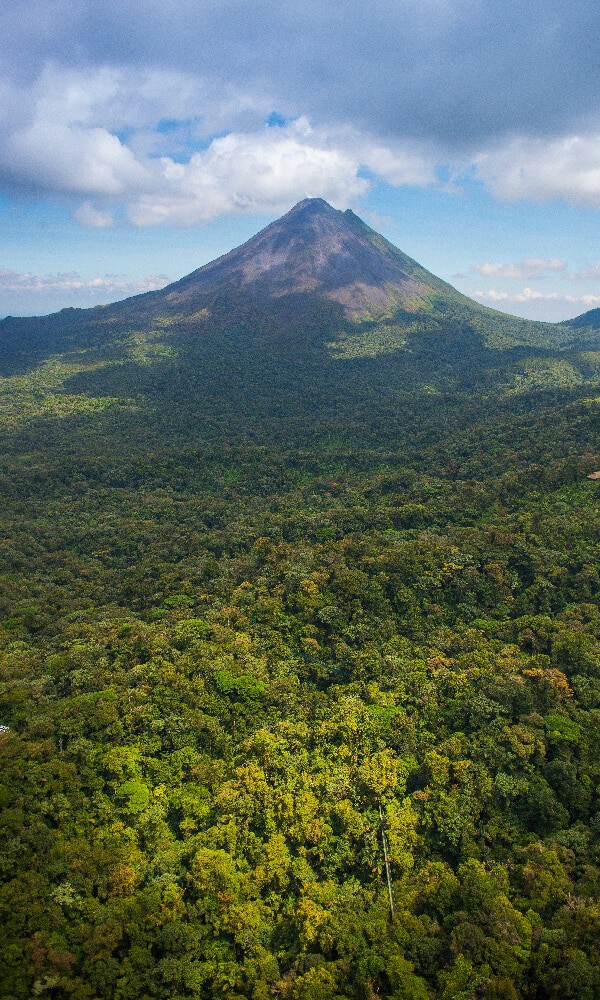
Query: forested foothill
x=285 y=591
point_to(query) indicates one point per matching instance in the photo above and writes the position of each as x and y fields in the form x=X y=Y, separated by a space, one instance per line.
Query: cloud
x=269 y=170
x=140 y=103
x=531 y=268
x=59 y=135
x=106 y=287
x=591 y=271
x=544 y=169
x=526 y=269
x=457 y=73
x=408 y=166
x=250 y=172
x=66 y=159
x=534 y=295
x=92 y=217
x=114 y=137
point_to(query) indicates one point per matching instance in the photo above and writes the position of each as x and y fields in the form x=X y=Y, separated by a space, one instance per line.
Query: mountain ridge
x=315 y=261
x=316 y=248
x=318 y=253
x=591 y=318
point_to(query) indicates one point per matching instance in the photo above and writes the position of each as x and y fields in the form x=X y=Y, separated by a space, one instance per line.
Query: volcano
x=315 y=269
x=318 y=250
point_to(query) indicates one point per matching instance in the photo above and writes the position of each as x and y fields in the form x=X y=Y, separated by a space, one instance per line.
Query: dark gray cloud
x=160 y=106
x=455 y=73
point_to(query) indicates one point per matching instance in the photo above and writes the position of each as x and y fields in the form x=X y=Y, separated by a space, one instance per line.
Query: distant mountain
x=316 y=249
x=318 y=252
x=315 y=269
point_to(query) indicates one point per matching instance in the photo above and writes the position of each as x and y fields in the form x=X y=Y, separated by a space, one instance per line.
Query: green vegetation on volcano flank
x=272 y=560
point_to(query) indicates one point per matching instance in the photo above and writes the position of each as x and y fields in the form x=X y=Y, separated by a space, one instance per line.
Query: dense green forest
x=277 y=600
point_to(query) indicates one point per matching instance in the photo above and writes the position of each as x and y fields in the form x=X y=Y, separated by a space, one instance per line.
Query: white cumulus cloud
x=92 y=217
x=108 y=286
x=544 y=169
x=70 y=159
x=526 y=269
x=535 y=295
x=408 y=166
x=180 y=146
x=590 y=271
x=268 y=170
x=145 y=140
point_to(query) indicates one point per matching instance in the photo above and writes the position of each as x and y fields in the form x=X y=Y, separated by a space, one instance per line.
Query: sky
x=139 y=139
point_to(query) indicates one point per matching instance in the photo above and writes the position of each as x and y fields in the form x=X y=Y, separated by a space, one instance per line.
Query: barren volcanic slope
x=315 y=248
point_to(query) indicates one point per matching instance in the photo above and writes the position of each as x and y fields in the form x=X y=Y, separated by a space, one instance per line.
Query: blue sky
x=140 y=140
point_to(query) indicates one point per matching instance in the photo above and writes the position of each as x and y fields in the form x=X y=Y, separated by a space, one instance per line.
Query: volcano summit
x=317 y=249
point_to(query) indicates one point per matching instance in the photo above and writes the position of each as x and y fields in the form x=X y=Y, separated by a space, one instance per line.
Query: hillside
x=314 y=252
x=297 y=556
x=590 y=319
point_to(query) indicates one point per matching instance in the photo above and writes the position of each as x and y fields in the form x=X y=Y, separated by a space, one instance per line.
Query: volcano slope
x=298 y=552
